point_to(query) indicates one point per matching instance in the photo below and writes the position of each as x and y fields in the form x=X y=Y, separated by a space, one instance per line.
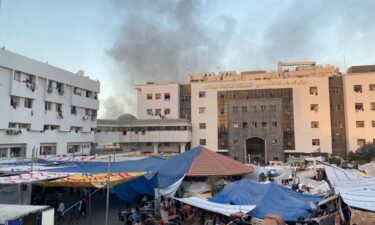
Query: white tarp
x=11 y=212
x=171 y=190
x=223 y=209
x=25 y=168
x=369 y=168
x=317 y=187
x=356 y=190
x=32 y=176
x=283 y=172
x=196 y=187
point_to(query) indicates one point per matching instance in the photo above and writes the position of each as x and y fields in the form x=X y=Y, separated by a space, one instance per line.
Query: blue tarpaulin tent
x=268 y=198
x=130 y=191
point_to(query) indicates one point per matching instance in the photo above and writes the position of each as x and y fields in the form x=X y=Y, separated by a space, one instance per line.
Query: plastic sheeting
x=12 y=212
x=15 y=194
x=196 y=187
x=355 y=190
x=268 y=198
x=32 y=176
x=223 y=209
x=317 y=187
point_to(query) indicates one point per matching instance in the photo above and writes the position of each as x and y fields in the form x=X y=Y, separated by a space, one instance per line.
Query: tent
x=15 y=214
x=268 y=198
x=97 y=180
x=223 y=209
x=356 y=190
x=199 y=162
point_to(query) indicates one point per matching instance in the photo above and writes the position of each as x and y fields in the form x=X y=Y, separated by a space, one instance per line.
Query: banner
x=98 y=180
x=32 y=176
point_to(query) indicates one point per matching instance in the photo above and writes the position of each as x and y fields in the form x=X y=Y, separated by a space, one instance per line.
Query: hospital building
x=300 y=108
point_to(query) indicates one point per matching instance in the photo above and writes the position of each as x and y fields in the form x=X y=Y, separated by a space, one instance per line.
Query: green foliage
x=334 y=160
x=363 y=155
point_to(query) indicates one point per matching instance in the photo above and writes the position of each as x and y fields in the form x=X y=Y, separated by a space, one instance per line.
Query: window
x=186 y=98
x=360 y=124
x=14 y=101
x=361 y=142
x=47 y=106
x=157 y=96
x=236 y=125
x=274 y=141
x=314 y=107
x=149 y=96
x=338 y=107
x=149 y=112
x=371 y=87
x=28 y=103
x=17 y=76
x=358 y=107
x=235 y=141
x=244 y=108
x=202 y=126
x=263 y=107
x=264 y=124
x=73 y=110
x=157 y=112
x=316 y=142
x=313 y=90
x=274 y=124
x=373 y=123
x=314 y=124
x=222 y=111
x=202 y=94
x=167 y=97
x=167 y=111
x=358 y=88
x=202 y=141
x=253 y=108
x=58 y=107
x=273 y=107
x=143 y=132
x=202 y=109
x=372 y=106
x=124 y=132
x=254 y=125
x=244 y=125
x=235 y=108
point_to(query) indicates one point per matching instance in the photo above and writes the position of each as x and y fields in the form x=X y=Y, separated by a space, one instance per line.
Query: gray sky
x=123 y=42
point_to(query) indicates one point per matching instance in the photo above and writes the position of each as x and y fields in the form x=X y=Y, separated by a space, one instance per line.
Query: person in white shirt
x=60 y=211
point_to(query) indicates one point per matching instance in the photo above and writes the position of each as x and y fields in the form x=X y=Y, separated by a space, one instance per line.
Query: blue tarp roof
x=143 y=165
x=268 y=198
x=177 y=167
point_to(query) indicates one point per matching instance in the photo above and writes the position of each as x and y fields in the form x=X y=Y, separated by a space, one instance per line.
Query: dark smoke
x=164 y=41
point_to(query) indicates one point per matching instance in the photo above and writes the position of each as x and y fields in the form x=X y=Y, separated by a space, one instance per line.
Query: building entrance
x=255 y=148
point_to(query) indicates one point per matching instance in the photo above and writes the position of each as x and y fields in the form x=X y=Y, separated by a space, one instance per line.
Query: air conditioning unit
x=85 y=117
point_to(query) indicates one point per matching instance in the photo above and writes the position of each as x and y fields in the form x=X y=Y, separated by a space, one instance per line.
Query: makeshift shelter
x=356 y=190
x=98 y=180
x=223 y=209
x=268 y=198
x=369 y=168
x=25 y=214
x=199 y=162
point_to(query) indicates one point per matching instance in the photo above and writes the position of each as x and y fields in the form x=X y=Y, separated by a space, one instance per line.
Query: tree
x=363 y=154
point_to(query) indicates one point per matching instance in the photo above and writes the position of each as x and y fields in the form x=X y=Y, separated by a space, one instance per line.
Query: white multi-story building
x=46 y=110
x=359 y=96
x=301 y=108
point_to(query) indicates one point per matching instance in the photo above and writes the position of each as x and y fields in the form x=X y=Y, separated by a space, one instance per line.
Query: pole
x=90 y=206
x=108 y=182
x=158 y=197
x=32 y=158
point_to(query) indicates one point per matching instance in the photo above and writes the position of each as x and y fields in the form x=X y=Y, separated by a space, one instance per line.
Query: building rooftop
x=362 y=69
x=130 y=120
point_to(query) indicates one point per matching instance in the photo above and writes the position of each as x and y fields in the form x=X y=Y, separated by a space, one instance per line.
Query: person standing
x=60 y=210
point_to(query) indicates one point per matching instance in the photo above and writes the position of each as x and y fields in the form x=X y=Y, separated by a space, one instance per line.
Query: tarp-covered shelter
x=97 y=180
x=14 y=214
x=223 y=209
x=199 y=162
x=268 y=198
x=355 y=189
